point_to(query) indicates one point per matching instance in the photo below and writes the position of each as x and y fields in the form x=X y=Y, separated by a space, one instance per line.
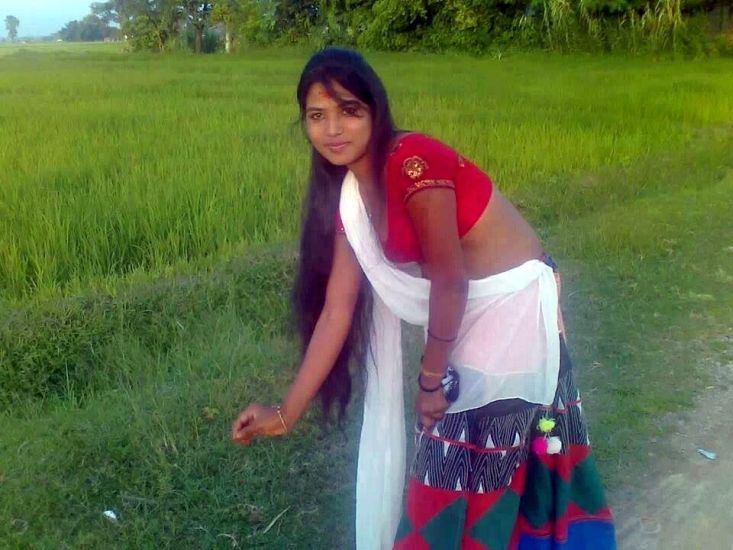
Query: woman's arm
x=330 y=333
x=326 y=343
x=433 y=213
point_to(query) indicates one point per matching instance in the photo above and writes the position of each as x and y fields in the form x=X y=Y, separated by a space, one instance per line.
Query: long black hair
x=350 y=70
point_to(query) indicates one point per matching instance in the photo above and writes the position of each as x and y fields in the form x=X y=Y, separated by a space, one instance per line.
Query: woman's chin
x=338 y=160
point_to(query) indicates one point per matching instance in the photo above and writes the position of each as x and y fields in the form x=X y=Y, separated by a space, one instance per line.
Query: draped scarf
x=400 y=296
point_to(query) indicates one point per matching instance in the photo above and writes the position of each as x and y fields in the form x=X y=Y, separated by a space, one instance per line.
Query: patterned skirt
x=475 y=483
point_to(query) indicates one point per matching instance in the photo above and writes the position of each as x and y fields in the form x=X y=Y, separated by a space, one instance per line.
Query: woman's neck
x=362 y=169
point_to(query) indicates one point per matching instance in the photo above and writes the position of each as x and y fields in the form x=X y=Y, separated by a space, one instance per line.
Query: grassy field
x=147 y=214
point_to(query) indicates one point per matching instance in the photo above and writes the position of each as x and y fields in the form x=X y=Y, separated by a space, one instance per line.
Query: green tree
x=71 y=32
x=145 y=24
x=399 y=24
x=231 y=14
x=89 y=29
x=295 y=19
x=151 y=24
x=258 y=24
x=121 y=12
x=109 y=12
x=198 y=14
x=464 y=25
x=11 y=24
x=343 y=21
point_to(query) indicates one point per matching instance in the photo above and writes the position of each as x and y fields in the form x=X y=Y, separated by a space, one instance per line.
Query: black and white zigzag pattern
x=459 y=454
x=493 y=470
x=568 y=411
x=473 y=455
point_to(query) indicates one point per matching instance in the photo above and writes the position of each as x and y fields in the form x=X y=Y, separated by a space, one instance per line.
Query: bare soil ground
x=685 y=501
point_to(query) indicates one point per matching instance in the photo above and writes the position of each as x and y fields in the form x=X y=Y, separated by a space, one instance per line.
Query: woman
x=399 y=226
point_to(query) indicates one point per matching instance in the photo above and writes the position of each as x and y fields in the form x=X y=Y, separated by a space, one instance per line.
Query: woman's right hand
x=255 y=421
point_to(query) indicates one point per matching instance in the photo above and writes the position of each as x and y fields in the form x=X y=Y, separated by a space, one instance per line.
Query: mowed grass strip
x=148 y=374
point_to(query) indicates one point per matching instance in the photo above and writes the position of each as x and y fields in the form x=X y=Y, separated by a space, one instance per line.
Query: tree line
x=11 y=26
x=429 y=25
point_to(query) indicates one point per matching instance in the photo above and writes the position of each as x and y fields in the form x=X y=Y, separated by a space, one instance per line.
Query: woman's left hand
x=430 y=408
x=257 y=421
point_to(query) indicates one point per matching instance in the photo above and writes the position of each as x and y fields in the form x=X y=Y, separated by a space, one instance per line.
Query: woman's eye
x=351 y=111
x=315 y=116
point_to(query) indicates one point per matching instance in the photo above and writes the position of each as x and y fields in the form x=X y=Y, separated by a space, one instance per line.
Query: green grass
x=146 y=223
x=113 y=164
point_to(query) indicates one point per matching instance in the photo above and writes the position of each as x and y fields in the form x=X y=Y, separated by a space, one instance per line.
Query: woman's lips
x=337 y=147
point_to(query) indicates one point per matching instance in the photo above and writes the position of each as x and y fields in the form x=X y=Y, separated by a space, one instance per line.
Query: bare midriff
x=499 y=240
x=494 y=238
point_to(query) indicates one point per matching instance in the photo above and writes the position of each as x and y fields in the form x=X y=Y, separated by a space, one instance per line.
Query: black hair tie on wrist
x=429 y=390
x=439 y=339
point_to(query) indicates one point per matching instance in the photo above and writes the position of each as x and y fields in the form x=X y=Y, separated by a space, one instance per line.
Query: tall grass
x=112 y=164
x=658 y=27
x=108 y=170
x=144 y=303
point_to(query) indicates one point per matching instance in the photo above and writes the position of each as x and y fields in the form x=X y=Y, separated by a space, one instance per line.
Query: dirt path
x=685 y=501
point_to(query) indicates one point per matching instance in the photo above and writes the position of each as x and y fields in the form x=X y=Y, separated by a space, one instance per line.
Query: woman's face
x=338 y=127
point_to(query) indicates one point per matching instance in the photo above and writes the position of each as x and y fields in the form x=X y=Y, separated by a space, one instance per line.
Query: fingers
x=428 y=420
x=242 y=421
x=244 y=438
x=426 y=423
x=437 y=417
x=430 y=411
x=256 y=421
x=247 y=434
x=435 y=414
x=244 y=428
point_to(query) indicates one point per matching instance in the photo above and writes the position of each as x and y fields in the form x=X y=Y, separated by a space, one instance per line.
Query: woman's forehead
x=319 y=94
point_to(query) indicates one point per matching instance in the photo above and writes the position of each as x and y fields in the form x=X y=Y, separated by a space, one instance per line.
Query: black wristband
x=429 y=390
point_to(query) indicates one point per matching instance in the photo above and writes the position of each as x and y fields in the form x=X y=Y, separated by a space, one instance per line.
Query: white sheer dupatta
x=398 y=295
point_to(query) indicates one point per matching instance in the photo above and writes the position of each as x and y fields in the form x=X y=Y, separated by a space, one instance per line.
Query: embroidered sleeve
x=426 y=163
x=427 y=184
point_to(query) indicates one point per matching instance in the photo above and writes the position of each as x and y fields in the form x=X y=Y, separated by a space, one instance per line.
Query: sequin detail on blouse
x=427 y=184
x=414 y=167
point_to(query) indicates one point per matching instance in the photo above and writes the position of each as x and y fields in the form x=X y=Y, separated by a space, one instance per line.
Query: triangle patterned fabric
x=475 y=485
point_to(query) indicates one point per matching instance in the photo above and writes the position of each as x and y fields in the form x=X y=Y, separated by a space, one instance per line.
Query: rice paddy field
x=149 y=207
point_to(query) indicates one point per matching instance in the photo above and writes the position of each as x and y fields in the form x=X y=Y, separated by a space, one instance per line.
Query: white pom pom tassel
x=554 y=445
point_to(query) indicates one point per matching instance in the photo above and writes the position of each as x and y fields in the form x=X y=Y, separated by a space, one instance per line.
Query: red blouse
x=419 y=162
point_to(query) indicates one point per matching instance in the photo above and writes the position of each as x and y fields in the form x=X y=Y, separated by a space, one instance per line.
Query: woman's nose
x=334 y=126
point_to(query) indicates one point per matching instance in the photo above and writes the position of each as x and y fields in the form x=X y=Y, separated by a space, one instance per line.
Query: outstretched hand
x=257 y=421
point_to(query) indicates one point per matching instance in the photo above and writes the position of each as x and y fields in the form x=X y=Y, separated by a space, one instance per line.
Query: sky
x=42 y=17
